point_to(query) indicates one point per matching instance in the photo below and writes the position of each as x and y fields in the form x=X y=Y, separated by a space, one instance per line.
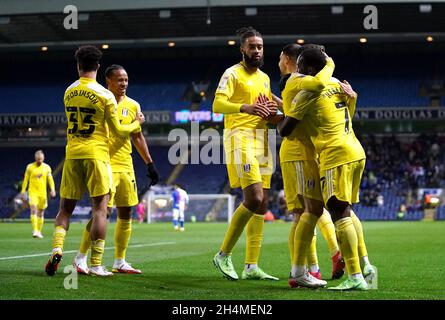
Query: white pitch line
x=74 y=251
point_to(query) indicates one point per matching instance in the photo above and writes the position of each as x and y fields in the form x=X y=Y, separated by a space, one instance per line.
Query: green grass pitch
x=409 y=257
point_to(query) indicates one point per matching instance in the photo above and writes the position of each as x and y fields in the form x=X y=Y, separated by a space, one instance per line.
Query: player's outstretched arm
x=300 y=105
x=221 y=104
x=321 y=79
x=278 y=101
x=286 y=126
x=352 y=96
x=121 y=129
x=52 y=185
x=141 y=146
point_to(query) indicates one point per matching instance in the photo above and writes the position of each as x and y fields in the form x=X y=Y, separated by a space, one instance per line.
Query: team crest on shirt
x=266 y=86
x=124 y=112
x=311 y=184
x=247 y=168
x=223 y=83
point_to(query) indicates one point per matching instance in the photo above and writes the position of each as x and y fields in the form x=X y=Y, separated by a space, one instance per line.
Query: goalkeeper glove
x=152 y=174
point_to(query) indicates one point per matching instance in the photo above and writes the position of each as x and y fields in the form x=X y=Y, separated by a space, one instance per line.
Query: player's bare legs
x=253 y=196
x=61 y=224
x=347 y=236
x=65 y=211
x=122 y=233
x=98 y=233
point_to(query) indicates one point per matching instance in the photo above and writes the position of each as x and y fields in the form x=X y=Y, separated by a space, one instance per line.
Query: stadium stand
x=397 y=86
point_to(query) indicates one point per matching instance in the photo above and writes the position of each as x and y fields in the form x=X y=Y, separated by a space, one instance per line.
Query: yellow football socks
x=254 y=237
x=59 y=237
x=97 y=251
x=327 y=229
x=33 y=218
x=240 y=218
x=291 y=239
x=40 y=221
x=85 y=243
x=347 y=239
x=122 y=234
x=303 y=237
x=312 y=258
x=362 y=252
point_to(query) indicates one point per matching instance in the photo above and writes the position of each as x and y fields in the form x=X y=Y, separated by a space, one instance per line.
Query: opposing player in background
x=124 y=192
x=91 y=110
x=301 y=174
x=180 y=200
x=38 y=175
x=327 y=116
x=140 y=210
x=244 y=97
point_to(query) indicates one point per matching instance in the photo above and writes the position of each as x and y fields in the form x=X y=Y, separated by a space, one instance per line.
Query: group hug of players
x=321 y=161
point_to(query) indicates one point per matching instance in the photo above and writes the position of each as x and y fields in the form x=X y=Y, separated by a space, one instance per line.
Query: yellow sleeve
x=221 y=104
x=138 y=109
x=224 y=92
x=25 y=180
x=113 y=120
x=52 y=186
x=300 y=104
x=320 y=80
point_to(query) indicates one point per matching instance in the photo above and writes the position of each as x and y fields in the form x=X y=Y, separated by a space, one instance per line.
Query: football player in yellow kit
x=91 y=110
x=244 y=97
x=124 y=193
x=300 y=173
x=327 y=116
x=38 y=175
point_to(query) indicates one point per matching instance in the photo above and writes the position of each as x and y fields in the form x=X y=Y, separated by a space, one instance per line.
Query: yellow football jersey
x=242 y=87
x=38 y=177
x=90 y=109
x=298 y=146
x=120 y=147
x=329 y=125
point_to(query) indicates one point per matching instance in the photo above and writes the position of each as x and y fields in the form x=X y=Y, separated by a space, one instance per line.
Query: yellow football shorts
x=249 y=160
x=80 y=174
x=39 y=201
x=300 y=178
x=124 y=191
x=343 y=182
